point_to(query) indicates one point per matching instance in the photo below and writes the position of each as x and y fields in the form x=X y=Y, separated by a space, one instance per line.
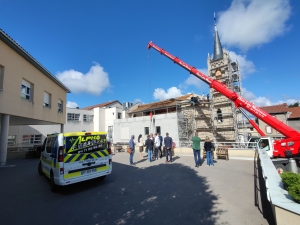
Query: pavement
x=146 y=193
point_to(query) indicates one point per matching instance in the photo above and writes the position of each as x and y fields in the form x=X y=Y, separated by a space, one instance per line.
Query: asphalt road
x=147 y=193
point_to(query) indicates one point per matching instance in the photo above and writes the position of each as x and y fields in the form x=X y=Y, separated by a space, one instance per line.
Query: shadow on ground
x=160 y=194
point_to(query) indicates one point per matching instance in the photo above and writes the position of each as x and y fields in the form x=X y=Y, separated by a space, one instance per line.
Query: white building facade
x=98 y=118
x=163 y=123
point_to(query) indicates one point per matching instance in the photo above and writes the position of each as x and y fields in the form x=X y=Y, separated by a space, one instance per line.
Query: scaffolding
x=228 y=124
x=193 y=116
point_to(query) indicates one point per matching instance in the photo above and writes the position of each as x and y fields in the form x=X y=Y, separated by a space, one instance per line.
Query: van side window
x=55 y=146
x=49 y=144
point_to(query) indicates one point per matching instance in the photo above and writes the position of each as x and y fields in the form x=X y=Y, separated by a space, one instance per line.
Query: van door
x=46 y=158
x=85 y=155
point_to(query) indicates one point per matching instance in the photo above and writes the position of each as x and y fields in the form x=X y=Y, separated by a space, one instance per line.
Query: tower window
x=219 y=116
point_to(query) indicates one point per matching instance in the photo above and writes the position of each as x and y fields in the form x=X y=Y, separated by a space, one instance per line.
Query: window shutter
x=46 y=98
x=26 y=83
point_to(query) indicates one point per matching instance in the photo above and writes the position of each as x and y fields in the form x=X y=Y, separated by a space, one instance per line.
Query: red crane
x=288 y=147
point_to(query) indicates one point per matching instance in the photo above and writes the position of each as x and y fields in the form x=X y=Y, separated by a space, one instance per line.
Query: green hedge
x=291 y=182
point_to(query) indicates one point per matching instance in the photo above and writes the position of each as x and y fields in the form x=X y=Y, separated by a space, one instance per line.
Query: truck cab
x=266 y=143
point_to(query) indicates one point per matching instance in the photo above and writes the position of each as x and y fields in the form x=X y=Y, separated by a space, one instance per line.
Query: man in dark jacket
x=161 y=141
x=168 y=145
x=149 y=145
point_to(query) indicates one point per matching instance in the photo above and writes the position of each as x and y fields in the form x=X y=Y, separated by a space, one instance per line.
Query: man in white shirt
x=156 y=145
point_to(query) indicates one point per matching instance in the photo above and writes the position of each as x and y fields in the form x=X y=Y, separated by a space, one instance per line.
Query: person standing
x=149 y=145
x=207 y=146
x=157 y=145
x=161 y=141
x=168 y=145
x=131 y=146
x=196 y=149
x=153 y=139
x=141 y=144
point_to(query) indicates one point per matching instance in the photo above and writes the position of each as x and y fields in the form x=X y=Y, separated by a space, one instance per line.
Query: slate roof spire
x=218 y=51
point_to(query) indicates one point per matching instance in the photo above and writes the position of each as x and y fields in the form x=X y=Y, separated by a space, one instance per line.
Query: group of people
x=153 y=146
x=208 y=147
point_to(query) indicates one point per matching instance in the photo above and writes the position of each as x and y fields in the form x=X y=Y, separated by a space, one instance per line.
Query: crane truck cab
x=281 y=164
x=266 y=143
x=68 y=158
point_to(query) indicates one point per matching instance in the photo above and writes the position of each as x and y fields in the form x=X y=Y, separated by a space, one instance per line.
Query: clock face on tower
x=218 y=74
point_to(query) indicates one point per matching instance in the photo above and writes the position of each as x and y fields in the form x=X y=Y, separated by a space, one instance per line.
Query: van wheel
x=53 y=186
x=280 y=168
x=40 y=169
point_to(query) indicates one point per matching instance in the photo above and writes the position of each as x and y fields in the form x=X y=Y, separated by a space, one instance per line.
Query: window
x=88 y=118
x=60 y=106
x=26 y=90
x=49 y=144
x=119 y=115
x=146 y=130
x=1 y=77
x=32 y=139
x=110 y=131
x=268 y=129
x=11 y=140
x=73 y=117
x=219 y=116
x=158 y=129
x=47 y=99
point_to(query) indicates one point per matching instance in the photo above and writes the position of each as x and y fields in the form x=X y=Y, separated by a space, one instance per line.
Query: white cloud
x=72 y=104
x=93 y=82
x=263 y=101
x=248 y=23
x=246 y=66
x=138 y=100
x=161 y=94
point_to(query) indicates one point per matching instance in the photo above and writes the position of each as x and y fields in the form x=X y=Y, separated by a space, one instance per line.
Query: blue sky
x=97 y=48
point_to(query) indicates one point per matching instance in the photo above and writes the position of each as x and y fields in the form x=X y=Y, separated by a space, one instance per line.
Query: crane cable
x=149 y=75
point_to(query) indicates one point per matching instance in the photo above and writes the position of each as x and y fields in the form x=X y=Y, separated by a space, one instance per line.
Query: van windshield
x=85 y=144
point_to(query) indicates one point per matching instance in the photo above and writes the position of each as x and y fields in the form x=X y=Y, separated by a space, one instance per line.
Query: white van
x=68 y=158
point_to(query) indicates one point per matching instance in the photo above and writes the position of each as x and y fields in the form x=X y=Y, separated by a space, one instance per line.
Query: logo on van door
x=85 y=144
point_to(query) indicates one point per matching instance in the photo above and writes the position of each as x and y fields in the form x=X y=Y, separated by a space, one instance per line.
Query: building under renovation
x=213 y=115
x=227 y=121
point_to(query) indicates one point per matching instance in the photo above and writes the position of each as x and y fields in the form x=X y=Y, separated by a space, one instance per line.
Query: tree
x=296 y=104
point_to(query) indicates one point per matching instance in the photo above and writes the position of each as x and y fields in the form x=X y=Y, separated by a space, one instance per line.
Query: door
x=46 y=155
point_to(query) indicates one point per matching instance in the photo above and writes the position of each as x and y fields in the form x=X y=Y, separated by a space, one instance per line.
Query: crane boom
x=233 y=96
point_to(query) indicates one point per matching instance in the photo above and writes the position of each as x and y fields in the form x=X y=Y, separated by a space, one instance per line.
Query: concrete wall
x=295 y=124
x=16 y=69
x=136 y=126
x=263 y=126
x=99 y=119
x=75 y=126
x=43 y=130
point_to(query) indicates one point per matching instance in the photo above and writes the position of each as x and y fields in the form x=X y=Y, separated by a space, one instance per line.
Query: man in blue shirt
x=168 y=145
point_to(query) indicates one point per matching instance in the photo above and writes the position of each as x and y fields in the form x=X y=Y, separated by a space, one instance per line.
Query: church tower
x=226 y=118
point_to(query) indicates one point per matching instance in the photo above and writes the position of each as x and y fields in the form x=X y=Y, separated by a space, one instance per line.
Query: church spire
x=218 y=51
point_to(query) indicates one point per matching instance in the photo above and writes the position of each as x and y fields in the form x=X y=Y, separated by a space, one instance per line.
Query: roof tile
x=165 y=103
x=100 y=105
x=276 y=108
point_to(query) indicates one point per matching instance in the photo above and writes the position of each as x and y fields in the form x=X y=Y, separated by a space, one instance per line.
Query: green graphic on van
x=85 y=144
